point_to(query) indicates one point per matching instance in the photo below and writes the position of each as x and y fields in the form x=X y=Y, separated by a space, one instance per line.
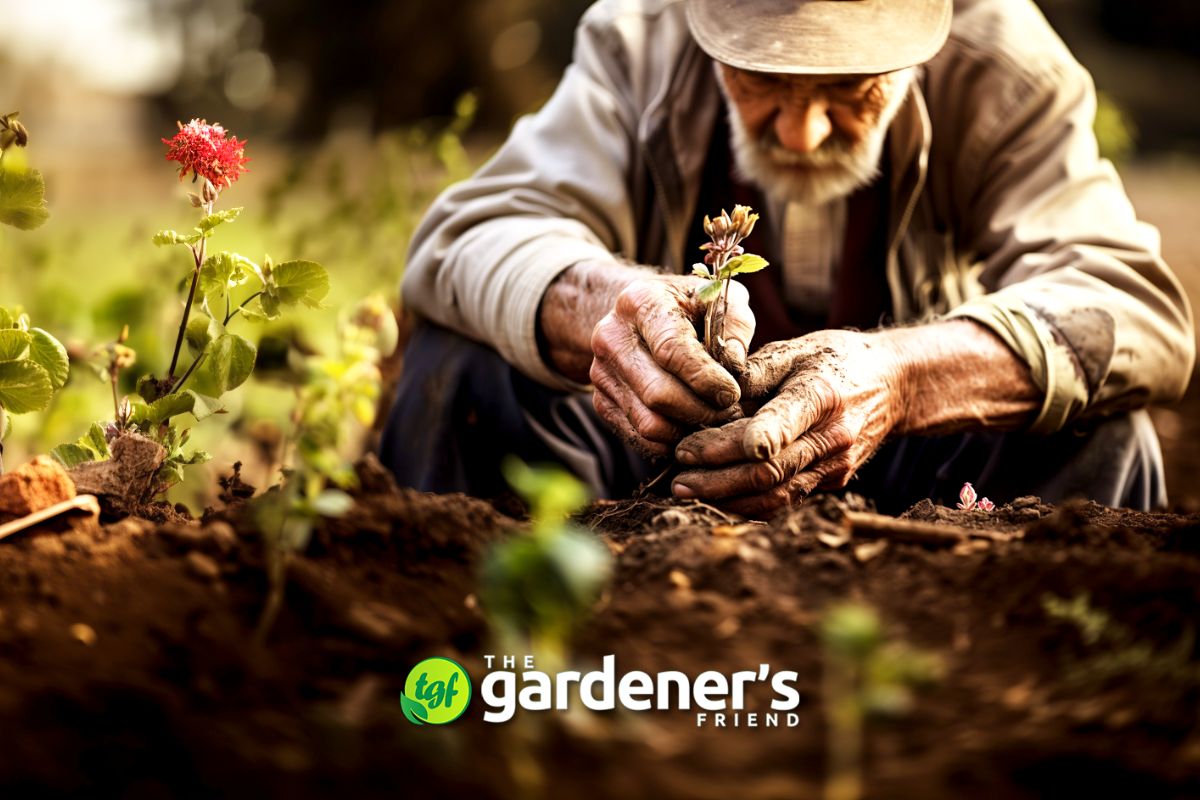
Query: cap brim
x=821 y=37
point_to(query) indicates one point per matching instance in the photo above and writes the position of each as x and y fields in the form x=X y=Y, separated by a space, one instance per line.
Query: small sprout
x=967 y=500
x=725 y=255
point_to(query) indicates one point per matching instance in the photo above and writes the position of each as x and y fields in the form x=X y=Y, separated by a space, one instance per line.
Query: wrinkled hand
x=654 y=381
x=831 y=397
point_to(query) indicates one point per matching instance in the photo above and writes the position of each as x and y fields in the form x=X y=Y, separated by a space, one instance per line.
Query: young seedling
x=340 y=393
x=222 y=287
x=967 y=500
x=538 y=587
x=726 y=258
x=863 y=675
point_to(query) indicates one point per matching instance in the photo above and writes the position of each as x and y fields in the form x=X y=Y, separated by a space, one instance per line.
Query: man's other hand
x=831 y=398
x=654 y=380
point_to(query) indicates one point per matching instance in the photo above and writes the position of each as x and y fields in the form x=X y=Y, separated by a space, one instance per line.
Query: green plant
x=339 y=392
x=222 y=287
x=22 y=190
x=727 y=258
x=537 y=587
x=33 y=366
x=863 y=675
x=1116 y=655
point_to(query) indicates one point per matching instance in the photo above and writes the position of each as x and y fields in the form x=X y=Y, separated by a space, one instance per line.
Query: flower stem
x=198 y=256
x=179 y=385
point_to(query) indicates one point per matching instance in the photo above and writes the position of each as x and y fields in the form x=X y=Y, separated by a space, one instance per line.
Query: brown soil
x=128 y=664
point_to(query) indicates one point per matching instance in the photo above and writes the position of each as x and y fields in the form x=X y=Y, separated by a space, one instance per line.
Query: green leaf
x=204 y=406
x=49 y=353
x=228 y=363
x=220 y=273
x=700 y=270
x=90 y=447
x=14 y=344
x=743 y=264
x=164 y=408
x=201 y=329
x=24 y=387
x=72 y=455
x=216 y=218
x=414 y=712
x=22 y=198
x=300 y=282
x=94 y=439
x=167 y=237
x=6 y=318
x=710 y=291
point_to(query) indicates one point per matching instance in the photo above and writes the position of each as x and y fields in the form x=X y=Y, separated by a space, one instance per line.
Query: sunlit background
x=356 y=114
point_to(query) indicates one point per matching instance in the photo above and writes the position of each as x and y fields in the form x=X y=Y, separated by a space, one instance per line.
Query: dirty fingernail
x=726 y=398
x=686 y=457
x=679 y=490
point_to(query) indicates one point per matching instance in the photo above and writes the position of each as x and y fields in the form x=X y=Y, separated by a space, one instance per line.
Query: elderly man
x=960 y=289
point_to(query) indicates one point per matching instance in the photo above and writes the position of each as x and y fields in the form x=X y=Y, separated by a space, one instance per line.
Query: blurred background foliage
x=356 y=115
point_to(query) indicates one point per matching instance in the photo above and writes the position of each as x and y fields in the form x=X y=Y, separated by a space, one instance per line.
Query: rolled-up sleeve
x=1075 y=283
x=554 y=195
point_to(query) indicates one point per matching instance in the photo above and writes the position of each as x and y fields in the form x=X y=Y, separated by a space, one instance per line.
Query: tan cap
x=823 y=37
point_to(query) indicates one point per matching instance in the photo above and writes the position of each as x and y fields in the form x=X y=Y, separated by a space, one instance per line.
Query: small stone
x=186 y=537
x=48 y=545
x=1027 y=501
x=680 y=580
x=131 y=527
x=203 y=566
x=727 y=628
x=31 y=487
x=222 y=534
x=84 y=634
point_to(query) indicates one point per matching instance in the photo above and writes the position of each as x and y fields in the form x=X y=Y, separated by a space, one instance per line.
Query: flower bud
x=708 y=226
x=747 y=225
x=12 y=132
x=210 y=191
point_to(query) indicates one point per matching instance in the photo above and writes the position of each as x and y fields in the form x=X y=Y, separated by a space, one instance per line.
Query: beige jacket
x=1001 y=209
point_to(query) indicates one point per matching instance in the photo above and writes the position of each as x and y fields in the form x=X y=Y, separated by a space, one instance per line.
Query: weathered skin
x=654 y=382
x=830 y=399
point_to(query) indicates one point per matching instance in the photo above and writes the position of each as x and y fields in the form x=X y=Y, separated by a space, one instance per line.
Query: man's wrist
x=572 y=305
x=957 y=375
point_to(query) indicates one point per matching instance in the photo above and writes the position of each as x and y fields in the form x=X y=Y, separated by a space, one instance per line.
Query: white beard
x=832 y=171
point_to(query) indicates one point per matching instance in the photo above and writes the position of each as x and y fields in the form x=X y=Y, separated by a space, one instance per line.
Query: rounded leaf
x=50 y=355
x=24 y=386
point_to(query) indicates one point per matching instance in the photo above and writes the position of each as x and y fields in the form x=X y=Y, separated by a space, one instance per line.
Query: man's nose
x=802 y=127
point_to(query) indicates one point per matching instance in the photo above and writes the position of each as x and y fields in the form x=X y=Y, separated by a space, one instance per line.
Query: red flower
x=204 y=150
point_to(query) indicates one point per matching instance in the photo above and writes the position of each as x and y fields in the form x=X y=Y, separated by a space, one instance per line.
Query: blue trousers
x=461 y=408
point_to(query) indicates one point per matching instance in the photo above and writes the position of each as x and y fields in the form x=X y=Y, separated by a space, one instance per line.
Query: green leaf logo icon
x=413 y=711
x=437 y=691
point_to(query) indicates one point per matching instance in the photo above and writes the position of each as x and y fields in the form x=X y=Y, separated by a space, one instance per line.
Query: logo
x=436 y=691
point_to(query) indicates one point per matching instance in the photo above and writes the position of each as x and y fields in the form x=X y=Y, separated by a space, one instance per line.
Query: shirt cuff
x=1051 y=364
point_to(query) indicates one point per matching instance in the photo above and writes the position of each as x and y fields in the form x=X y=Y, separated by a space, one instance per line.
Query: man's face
x=811 y=138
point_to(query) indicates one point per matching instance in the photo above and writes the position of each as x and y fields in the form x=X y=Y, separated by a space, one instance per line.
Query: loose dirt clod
x=31 y=487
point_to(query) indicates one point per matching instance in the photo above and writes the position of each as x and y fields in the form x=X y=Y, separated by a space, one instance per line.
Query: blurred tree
x=376 y=63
